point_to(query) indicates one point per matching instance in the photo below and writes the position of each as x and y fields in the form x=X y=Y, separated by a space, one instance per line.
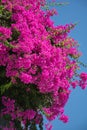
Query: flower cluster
x=38 y=62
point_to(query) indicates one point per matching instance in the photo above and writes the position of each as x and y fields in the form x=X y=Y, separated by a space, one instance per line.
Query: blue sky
x=76 y=108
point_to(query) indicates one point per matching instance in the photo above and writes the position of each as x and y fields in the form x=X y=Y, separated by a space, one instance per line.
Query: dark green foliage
x=33 y=126
x=28 y=101
x=5 y=17
x=41 y=125
x=15 y=34
x=17 y=125
x=4 y=81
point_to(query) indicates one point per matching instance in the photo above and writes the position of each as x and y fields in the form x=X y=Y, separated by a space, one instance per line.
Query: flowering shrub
x=38 y=64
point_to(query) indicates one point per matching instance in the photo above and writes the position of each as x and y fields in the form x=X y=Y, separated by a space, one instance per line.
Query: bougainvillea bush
x=38 y=65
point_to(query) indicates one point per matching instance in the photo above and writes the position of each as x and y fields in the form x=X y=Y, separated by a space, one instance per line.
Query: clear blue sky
x=76 y=108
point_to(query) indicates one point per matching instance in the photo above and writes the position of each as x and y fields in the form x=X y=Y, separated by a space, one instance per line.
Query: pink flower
x=48 y=126
x=26 y=78
x=29 y=114
x=43 y=58
x=74 y=84
x=83 y=77
x=83 y=80
x=64 y=118
x=38 y=118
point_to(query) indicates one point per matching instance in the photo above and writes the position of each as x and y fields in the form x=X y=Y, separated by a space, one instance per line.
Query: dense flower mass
x=38 y=64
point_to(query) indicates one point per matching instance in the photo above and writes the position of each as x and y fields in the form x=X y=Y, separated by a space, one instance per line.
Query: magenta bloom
x=83 y=77
x=64 y=118
x=26 y=78
x=38 y=64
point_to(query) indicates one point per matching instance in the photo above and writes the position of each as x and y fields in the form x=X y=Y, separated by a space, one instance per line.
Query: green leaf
x=5 y=17
x=15 y=34
x=1 y=7
x=8 y=44
x=5 y=87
